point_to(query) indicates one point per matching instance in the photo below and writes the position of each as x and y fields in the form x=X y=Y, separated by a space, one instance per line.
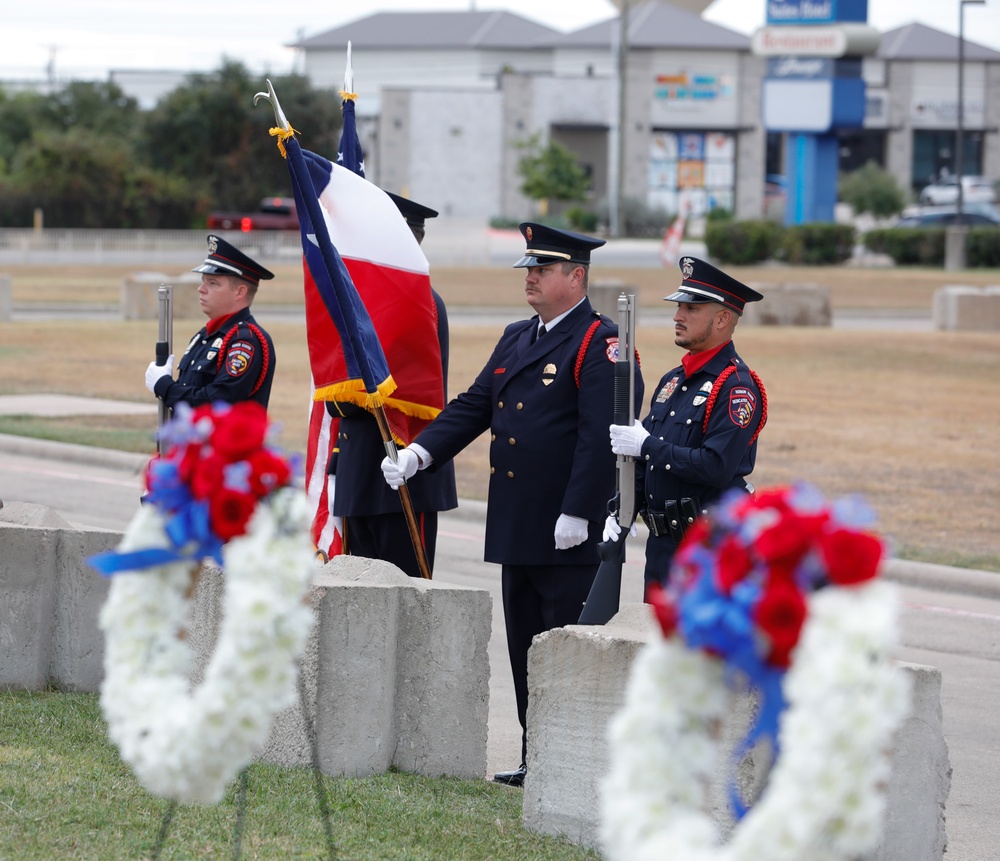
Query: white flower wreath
x=824 y=798
x=184 y=744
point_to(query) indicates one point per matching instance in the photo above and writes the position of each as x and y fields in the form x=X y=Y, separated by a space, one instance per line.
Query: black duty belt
x=675 y=519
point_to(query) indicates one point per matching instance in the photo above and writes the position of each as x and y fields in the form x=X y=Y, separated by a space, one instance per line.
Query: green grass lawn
x=65 y=793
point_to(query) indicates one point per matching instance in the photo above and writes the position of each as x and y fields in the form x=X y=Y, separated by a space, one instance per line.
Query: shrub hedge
x=817 y=244
x=753 y=241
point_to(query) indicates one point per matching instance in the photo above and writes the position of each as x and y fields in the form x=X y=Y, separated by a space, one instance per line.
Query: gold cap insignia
x=527 y=233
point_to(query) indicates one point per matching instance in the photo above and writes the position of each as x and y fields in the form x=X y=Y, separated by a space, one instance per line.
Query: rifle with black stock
x=164 y=342
x=605 y=595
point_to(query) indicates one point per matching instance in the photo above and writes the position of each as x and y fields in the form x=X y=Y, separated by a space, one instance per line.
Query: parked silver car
x=975 y=189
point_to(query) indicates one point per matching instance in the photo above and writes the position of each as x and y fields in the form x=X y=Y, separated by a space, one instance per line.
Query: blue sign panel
x=816 y=11
x=812 y=68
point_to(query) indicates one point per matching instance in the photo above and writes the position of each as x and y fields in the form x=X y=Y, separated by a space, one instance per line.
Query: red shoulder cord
x=713 y=397
x=584 y=345
x=263 y=346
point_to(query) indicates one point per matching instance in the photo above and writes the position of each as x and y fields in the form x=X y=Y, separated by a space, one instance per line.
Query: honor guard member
x=232 y=358
x=547 y=397
x=374 y=523
x=699 y=439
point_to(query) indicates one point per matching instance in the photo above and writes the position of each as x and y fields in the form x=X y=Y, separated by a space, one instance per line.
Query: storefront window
x=693 y=170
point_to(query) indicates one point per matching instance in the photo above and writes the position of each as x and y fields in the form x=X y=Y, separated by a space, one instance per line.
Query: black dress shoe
x=511 y=778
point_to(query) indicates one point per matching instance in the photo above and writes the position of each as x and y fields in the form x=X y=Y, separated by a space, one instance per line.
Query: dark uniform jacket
x=681 y=459
x=361 y=490
x=231 y=363
x=549 y=451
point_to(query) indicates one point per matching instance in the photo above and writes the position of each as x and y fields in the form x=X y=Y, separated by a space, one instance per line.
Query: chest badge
x=548 y=374
x=663 y=394
x=700 y=398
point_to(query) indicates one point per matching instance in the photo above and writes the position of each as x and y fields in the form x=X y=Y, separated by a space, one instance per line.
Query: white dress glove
x=155 y=371
x=612 y=529
x=628 y=439
x=406 y=466
x=570 y=531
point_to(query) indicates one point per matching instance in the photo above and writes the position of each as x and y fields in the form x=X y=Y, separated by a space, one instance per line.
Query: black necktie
x=541 y=331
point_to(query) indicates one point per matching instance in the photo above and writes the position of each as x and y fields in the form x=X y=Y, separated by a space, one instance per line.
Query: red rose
x=789 y=538
x=734 y=564
x=240 y=431
x=851 y=557
x=780 y=614
x=229 y=512
x=267 y=472
x=207 y=475
x=663 y=608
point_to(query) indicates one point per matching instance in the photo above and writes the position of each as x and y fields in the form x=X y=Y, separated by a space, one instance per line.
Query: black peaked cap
x=414 y=213
x=224 y=258
x=547 y=245
x=704 y=283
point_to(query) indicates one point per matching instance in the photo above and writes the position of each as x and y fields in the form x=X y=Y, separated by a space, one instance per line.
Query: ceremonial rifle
x=165 y=338
x=605 y=594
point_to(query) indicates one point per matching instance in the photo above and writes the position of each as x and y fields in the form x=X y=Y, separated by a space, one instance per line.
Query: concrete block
x=395 y=673
x=50 y=599
x=6 y=298
x=604 y=295
x=960 y=307
x=140 y=299
x=921 y=777
x=789 y=305
x=577 y=677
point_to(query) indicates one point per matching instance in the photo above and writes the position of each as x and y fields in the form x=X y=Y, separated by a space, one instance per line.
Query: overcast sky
x=86 y=38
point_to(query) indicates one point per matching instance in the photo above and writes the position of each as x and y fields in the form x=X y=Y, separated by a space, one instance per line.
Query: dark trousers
x=386 y=536
x=537 y=598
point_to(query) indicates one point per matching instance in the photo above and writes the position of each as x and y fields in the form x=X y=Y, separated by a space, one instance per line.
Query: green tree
x=551 y=172
x=872 y=189
x=209 y=132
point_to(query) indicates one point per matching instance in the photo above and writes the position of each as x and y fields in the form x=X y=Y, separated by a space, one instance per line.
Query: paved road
x=956 y=630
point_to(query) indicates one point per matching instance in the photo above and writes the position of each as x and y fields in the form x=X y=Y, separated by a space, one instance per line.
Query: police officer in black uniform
x=547 y=396
x=232 y=358
x=374 y=523
x=699 y=439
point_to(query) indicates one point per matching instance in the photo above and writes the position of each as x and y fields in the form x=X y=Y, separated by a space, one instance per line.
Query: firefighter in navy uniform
x=374 y=524
x=547 y=397
x=232 y=358
x=699 y=439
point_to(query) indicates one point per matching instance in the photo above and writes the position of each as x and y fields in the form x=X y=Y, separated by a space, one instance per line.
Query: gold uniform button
x=512 y=441
x=500 y=405
x=493 y=437
x=492 y=470
x=520 y=406
x=510 y=475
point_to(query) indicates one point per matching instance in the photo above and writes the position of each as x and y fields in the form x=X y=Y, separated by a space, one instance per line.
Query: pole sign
x=816 y=11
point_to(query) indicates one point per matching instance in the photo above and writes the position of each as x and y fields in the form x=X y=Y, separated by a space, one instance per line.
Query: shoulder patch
x=611 y=351
x=742 y=406
x=238 y=358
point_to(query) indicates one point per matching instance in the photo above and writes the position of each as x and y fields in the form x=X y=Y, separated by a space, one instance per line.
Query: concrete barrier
x=6 y=298
x=604 y=295
x=961 y=308
x=789 y=305
x=396 y=673
x=50 y=599
x=140 y=300
x=577 y=677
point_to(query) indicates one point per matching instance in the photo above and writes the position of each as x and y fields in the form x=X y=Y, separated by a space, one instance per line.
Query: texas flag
x=369 y=309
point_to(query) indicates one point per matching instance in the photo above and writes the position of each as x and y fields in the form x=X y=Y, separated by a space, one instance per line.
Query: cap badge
x=213 y=244
x=527 y=233
x=687 y=267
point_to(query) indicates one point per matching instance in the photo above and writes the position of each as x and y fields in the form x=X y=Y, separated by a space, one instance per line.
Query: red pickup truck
x=274 y=213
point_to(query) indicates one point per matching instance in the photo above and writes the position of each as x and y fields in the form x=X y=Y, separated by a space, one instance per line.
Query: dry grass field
x=905 y=419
